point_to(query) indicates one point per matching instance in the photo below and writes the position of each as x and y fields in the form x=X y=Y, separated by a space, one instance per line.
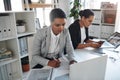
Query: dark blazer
x=75 y=33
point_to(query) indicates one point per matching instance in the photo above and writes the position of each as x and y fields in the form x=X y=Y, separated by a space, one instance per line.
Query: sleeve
x=69 y=47
x=73 y=36
x=37 y=57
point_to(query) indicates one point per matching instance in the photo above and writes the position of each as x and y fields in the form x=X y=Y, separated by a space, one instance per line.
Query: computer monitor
x=92 y=69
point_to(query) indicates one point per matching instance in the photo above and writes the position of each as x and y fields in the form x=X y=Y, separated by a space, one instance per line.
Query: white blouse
x=54 y=43
x=83 y=35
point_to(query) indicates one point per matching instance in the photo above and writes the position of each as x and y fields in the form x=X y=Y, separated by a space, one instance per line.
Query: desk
x=113 y=66
x=112 y=69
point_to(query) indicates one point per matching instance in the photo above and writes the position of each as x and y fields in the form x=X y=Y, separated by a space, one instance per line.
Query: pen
x=55 y=58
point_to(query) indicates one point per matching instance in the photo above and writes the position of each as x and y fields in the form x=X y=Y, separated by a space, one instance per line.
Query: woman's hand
x=92 y=44
x=54 y=63
x=95 y=45
x=72 y=62
x=100 y=42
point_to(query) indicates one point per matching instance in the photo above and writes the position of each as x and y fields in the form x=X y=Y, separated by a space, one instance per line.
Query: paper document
x=50 y=73
x=40 y=74
x=62 y=70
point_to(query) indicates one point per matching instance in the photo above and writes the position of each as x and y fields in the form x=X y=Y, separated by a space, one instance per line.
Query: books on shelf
x=7 y=5
x=5 y=54
x=23 y=45
x=108 y=5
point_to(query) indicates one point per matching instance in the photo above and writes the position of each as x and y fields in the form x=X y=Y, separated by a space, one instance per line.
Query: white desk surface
x=113 y=67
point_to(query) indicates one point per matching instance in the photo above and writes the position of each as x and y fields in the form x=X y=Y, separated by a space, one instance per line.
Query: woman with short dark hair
x=51 y=42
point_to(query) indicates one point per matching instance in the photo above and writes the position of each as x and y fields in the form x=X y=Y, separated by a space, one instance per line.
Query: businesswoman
x=79 y=31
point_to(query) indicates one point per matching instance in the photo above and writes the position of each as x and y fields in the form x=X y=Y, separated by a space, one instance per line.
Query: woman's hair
x=86 y=13
x=57 y=13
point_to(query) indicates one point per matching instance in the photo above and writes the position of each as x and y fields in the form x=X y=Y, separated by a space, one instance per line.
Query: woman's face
x=87 y=21
x=58 y=25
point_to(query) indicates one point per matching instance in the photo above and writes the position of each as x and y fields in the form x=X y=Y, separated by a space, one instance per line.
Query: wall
x=117 y=24
x=15 y=4
x=1 y=6
x=65 y=6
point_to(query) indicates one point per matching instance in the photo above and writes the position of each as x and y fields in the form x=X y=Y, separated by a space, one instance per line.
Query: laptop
x=92 y=69
x=112 y=41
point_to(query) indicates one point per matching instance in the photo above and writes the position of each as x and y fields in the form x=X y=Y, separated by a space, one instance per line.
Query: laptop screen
x=114 y=39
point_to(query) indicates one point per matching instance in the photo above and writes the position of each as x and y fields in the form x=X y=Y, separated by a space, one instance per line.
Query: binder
x=7 y=5
x=9 y=27
x=1 y=27
x=9 y=71
x=0 y=32
x=1 y=74
x=2 y=22
x=5 y=73
x=25 y=45
x=4 y=26
x=15 y=69
x=22 y=46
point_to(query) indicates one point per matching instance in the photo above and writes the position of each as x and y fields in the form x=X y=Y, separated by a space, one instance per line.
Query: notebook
x=92 y=69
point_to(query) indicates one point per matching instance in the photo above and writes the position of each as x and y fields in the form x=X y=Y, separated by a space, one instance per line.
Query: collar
x=53 y=35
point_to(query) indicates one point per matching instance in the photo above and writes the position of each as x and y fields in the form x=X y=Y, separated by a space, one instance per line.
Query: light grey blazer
x=41 y=45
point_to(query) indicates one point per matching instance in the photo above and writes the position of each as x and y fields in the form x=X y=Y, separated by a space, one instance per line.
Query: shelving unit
x=104 y=23
x=38 y=5
x=11 y=69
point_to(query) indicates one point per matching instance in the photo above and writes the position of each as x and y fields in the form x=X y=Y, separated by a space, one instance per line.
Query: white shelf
x=38 y=5
x=24 y=55
x=108 y=24
x=7 y=38
x=16 y=11
x=94 y=23
x=8 y=61
x=101 y=27
x=17 y=77
x=25 y=74
x=96 y=9
x=25 y=34
x=109 y=9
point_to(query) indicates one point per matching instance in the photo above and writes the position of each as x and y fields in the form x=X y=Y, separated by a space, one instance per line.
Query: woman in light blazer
x=51 y=42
